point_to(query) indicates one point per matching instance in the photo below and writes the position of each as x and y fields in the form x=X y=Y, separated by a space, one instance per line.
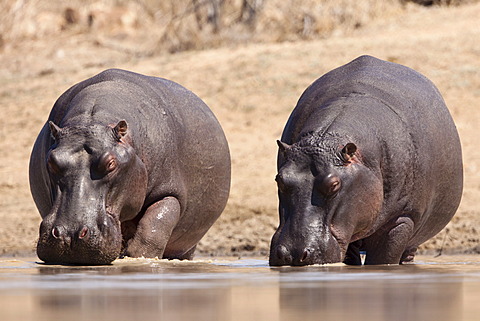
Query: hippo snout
x=87 y=244
x=285 y=256
x=295 y=257
x=301 y=254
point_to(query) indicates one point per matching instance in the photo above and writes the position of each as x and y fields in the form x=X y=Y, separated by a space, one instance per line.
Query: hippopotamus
x=369 y=162
x=127 y=165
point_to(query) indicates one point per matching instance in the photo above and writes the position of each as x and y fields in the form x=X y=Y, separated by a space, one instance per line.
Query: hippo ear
x=54 y=130
x=282 y=146
x=348 y=151
x=120 y=129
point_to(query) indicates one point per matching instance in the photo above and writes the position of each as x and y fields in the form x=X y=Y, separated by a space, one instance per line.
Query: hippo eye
x=330 y=185
x=107 y=163
x=112 y=164
x=334 y=187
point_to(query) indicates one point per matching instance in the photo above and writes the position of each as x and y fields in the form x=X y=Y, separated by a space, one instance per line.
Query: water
x=444 y=288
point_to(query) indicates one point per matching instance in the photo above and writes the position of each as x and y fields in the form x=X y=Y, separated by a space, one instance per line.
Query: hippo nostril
x=83 y=232
x=56 y=232
x=284 y=254
x=306 y=254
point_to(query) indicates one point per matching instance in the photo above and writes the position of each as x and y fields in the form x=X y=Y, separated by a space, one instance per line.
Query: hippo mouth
x=88 y=245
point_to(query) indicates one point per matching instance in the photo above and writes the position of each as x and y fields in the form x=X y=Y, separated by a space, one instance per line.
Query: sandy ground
x=252 y=89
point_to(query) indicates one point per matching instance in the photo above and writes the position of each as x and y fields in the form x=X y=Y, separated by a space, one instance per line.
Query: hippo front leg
x=154 y=229
x=389 y=247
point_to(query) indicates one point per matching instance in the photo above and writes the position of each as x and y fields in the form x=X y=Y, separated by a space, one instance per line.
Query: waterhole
x=443 y=288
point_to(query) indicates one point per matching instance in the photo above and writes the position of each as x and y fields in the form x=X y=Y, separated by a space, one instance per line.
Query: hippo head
x=328 y=198
x=97 y=181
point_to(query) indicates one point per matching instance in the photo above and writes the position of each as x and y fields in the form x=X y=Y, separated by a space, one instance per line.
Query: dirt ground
x=252 y=89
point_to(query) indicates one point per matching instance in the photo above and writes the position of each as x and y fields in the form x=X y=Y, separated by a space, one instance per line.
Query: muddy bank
x=252 y=89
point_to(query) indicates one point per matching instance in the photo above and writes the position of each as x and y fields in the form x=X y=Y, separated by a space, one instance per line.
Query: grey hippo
x=130 y=165
x=369 y=160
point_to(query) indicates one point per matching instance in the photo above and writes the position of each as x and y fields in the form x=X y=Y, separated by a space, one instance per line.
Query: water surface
x=444 y=288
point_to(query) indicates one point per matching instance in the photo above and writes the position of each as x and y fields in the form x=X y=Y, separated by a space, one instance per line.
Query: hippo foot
x=408 y=255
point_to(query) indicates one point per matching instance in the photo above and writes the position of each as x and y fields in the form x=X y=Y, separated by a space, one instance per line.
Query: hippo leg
x=388 y=247
x=154 y=229
x=352 y=257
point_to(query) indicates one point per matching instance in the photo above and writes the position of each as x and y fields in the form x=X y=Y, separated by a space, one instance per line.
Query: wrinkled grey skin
x=370 y=159
x=127 y=164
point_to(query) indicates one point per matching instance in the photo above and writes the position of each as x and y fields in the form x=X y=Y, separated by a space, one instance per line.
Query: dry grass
x=179 y=25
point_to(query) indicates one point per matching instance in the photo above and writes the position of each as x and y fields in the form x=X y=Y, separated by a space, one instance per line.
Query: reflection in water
x=372 y=300
x=108 y=305
x=238 y=290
